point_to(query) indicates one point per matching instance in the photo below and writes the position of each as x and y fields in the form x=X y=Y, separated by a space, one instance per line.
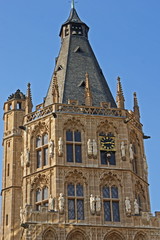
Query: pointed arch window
x=42 y=150
x=75 y=197
x=111 y=203
x=73 y=146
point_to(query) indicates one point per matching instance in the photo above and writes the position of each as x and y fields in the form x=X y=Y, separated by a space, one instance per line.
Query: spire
x=120 y=97
x=55 y=91
x=76 y=57
x=88 y=94
x=29 y=104
x=72 y=4
x=136 y=107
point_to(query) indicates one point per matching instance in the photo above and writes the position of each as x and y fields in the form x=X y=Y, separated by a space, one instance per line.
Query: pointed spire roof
x=120 y=97
x=136 y=107
x=76 y=57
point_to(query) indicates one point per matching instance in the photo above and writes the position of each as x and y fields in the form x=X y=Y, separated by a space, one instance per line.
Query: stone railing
x=41 y=216
x=68 y=108
x=85 y=110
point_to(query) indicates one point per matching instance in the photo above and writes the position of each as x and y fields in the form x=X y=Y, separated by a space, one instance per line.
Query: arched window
x=42 y=150
x=41 y=198
x=111 y=203
x=73 y=146
x=75 y=196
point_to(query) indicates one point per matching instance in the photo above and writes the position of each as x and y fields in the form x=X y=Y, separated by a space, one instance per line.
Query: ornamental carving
x=110 y=178
x=106 y=126
x=139 y=188
x=77 y=234
x=114 y=235
x=76 y=176
x=40 y=180
x=39 y=129
x=74 y=124
x=140 y=236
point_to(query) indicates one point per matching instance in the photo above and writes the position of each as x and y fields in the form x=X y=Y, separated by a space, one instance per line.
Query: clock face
x=107 y=143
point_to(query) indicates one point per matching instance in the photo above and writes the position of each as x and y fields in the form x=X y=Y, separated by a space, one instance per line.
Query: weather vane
x=72 y=4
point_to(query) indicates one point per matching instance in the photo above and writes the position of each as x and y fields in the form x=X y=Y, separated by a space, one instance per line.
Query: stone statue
x=22 y=212
x=61 y=203
x=94 y=148
x=128 y=205
x=123 y=151
x=51 y=148
x=51 y=203
x=60 y=147
x=145 y=165
x=136 y=207
x=22 y=159
x=131 y=152
x=27 y=158
x=98 y=204
x=92 y=204
x=90 y=147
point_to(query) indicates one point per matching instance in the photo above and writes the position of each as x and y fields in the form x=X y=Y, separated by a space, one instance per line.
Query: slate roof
x=76 y=58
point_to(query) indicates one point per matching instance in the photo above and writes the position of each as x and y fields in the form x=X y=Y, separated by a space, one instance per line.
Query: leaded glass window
x=75 y=201
x=42 y=150
x=111 y=203
x=73 y=146
x=41 y=198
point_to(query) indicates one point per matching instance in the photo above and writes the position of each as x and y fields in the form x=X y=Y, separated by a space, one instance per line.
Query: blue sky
x=125 y=36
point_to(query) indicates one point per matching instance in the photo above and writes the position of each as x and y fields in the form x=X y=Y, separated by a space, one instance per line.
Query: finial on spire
x=120 y=97
x=55 y=89
x=136 y=107
x=88 y=94
x=72 y=4
x=29 y=104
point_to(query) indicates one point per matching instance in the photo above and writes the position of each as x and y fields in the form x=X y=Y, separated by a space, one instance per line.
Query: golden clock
x=107 y=143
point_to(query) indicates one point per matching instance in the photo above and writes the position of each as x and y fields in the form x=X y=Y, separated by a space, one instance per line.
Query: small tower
x=120 y=97
x=55 y=91
x=29 y=104
x=14 y=111
x=88 y=94
x=136 y=107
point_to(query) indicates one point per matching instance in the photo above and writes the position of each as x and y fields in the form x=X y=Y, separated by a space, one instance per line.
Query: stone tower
x=75 y=168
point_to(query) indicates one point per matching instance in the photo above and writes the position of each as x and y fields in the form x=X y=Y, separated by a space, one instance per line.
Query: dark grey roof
x=76 y=58
x=17 y=95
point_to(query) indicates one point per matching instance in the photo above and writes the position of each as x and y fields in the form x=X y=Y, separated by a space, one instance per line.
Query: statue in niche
x=98 y=204
x=145 y=165
x=51 y=148
x=123 y=151
x=128 y=206
x=61 y=203
x=94 y=148
x=90 y=147
x=22 y=212
x=131 y=154
x=92 y=204
x=22 y=159
x=60 y=147
x=51 y=203
x=136 y=207
x=27 y=158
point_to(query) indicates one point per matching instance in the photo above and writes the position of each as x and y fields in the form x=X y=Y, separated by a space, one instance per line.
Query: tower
x=77 y=166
